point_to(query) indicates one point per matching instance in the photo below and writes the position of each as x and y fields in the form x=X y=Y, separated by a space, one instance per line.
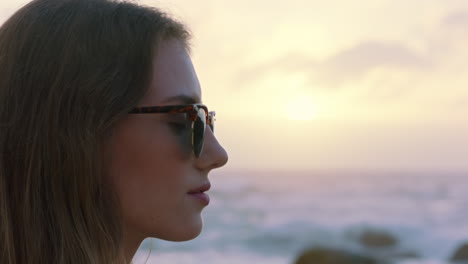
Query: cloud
x=344 y=66
x=451 y=35
x=458 y=19
x=288 y=63
x=441 y=47
x=356 y=62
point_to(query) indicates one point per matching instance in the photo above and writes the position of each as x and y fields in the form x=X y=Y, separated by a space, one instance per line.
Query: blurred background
x=346 y=123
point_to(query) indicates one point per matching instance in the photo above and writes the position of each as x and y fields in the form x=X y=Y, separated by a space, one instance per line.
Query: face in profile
x=150 y=160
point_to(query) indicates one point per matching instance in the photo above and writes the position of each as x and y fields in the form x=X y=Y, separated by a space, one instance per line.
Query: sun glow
x=301 y=108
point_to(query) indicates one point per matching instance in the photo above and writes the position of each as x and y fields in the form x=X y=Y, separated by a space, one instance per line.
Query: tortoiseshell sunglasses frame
x=192 y=114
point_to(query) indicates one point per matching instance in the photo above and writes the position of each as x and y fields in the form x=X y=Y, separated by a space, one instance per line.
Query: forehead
x=173 y=76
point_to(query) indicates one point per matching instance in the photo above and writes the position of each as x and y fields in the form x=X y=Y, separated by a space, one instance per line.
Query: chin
x=185 y=237
x=185 y=232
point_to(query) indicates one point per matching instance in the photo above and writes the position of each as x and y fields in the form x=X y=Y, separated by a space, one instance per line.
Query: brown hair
x=69 y=69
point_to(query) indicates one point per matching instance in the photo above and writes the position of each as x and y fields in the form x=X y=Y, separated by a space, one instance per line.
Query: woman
x=103 y=140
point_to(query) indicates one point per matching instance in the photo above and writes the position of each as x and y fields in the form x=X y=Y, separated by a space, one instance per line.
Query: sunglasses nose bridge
x=202 y=114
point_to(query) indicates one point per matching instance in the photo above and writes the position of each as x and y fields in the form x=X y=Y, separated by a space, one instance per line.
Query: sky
x=308 y=84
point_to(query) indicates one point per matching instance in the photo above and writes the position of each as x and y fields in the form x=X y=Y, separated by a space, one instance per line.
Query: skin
x=150 y=167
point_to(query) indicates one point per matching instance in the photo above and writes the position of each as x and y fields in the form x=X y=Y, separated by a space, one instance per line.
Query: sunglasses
x=197 y=114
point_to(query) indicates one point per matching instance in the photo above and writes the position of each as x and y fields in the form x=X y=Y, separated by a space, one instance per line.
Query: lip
x=200 y=189
x=198 y=194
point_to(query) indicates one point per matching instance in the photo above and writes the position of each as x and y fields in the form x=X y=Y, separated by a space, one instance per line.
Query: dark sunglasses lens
x=199 y=131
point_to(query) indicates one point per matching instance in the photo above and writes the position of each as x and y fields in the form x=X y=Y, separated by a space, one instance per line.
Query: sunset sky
x=308 y=84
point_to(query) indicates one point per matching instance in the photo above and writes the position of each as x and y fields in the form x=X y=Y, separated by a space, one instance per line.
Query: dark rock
x=332 y=256
x=377 y=239
x=461 y=254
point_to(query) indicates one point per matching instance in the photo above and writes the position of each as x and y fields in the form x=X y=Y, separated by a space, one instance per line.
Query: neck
x=131 y=243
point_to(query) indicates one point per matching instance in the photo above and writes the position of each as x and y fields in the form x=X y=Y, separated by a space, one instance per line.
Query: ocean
x=270 y=217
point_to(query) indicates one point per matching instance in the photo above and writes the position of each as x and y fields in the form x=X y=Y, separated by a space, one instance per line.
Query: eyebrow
x=185 y=99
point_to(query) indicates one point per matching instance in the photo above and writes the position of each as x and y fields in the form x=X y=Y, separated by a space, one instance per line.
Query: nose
x=213 y=154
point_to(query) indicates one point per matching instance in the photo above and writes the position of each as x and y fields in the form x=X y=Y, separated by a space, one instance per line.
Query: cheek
x=184 y=140
x=146 y=166
x=141 y=149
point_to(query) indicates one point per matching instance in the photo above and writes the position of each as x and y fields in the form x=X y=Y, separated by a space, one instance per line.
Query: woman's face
x=151 y=163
